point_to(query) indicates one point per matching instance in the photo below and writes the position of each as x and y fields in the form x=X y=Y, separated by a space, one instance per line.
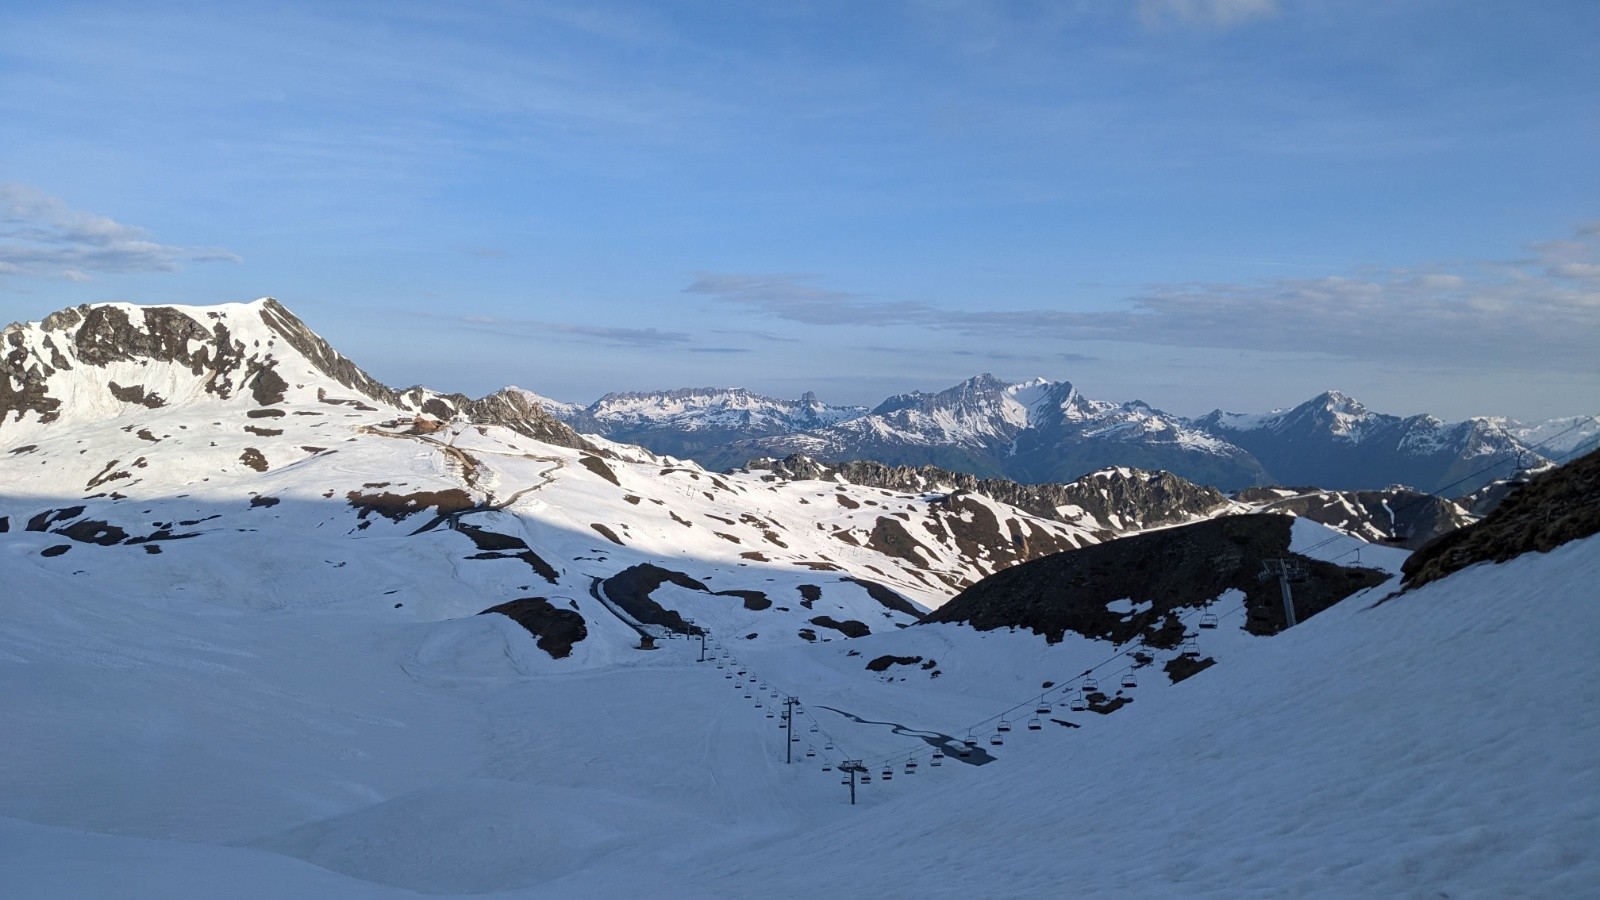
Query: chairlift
x=911 y=767
x=814 y=729
x=997 y=740
x=1043 y=710
x=1004 y=726
x=810 y=754
x=938 y=760
x=1521 y=476
x=888 y=774
x=1078 y=704
x=1090 y=685
x=1208 y=620
x=1128 y=681
x=828 y=746
x=1191 y=648
x=1034 y=725
x=828 y=767
x=866 y=778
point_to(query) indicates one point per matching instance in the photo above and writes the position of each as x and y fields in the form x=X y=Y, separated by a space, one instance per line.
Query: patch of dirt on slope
x=396 y=507
x=556 y=629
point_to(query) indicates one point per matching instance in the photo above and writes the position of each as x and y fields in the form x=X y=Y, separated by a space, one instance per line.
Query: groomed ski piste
x=290 y=703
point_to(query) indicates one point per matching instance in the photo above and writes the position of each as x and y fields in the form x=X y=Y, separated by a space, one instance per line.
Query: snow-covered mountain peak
x=711 y=408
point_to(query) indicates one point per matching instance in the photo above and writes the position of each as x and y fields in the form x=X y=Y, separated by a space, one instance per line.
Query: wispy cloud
x=600 y=334
x=41 y=237
x=1539 y=313
x=797 y=298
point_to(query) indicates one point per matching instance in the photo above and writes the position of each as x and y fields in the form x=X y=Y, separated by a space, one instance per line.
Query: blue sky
x=1197 y=203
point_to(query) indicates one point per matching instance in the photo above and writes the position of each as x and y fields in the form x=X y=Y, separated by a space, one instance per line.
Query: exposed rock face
x=508 y=408
x=1333 y=441
x=1112 y=500
x=228 y=356
x=1555 y=507
x=1161 y=572
x=1411 y=516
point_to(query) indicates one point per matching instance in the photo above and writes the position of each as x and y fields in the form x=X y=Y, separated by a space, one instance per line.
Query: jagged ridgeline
x=156 y=355
x=1040 y=431
x=1163 y=573
x=1111 y=500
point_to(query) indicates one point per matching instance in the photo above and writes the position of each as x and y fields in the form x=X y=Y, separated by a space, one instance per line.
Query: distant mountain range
x=1041 y=431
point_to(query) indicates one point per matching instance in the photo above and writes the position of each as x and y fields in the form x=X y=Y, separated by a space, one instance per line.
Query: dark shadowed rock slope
x=1553 y=508
x=1172 y=569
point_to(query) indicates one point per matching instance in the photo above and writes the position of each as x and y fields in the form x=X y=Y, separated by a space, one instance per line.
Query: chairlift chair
x=1004 y=726
x=1191 y=648
x=1034 y=725
x=888 y=774
x=1128 y=681
x=1208 y=620
x=866 y=778
x=1078 y=704
x=997 y=740
x=911 y=767
x=1090 y=685
x=1043 y=710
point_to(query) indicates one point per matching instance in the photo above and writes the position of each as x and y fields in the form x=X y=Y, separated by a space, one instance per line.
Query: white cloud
x=40 y=236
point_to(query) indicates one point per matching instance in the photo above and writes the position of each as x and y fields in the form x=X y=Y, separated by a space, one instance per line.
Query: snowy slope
x=176 y=752
x=263 y=674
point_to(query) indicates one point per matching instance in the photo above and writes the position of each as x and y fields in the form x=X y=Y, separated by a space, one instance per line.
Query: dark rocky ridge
x=1177 y=568
x=1417 y=517
x=1555 y=507
x=1147 y=499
